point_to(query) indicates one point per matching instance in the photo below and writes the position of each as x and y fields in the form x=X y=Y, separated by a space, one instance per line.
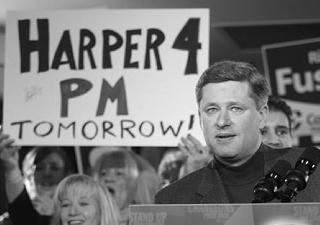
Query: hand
x=44 y=205
x=170 y=165
x=8 y=153
x=197 y=154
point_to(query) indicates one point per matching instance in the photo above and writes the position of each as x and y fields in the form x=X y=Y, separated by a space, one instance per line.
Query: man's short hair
x=275 y=103
x=236 y=71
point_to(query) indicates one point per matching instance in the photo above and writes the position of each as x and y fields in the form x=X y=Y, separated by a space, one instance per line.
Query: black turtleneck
x=239 y=181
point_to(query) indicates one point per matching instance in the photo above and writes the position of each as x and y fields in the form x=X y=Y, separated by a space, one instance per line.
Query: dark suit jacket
x=205 y=185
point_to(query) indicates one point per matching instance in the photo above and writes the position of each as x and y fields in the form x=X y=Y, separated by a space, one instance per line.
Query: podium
x=226 y=214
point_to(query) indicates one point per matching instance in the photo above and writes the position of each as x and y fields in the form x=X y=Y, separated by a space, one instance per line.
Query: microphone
x=265 y=189
x=297 y=178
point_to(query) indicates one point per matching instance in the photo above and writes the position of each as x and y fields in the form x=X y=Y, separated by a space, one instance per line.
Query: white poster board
x=104 y=77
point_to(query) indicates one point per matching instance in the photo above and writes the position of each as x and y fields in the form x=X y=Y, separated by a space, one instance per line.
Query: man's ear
x=200 y=119
x=264 y=112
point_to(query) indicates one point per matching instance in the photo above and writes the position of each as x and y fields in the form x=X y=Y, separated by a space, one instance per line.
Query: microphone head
x=308 y=160
x=279 y=171
x=297 y=178
x=265 y=189
x=281 y=167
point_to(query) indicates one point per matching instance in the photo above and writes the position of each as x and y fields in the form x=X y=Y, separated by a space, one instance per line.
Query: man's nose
x=48 y=170
x=44 y=170
x=223 y=119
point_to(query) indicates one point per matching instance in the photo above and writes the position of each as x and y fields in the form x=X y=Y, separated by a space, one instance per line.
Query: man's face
x=230 y=121
x=50 y=171
x=43 y=178
x=276 y=132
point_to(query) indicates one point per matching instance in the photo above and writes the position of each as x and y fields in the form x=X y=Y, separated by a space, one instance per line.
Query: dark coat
x=204 y=186
x=22 y=212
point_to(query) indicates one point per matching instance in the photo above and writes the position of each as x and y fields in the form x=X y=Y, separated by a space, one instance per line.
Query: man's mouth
x=225 y=136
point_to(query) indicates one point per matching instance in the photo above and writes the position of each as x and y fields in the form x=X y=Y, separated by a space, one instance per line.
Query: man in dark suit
x=232 y=104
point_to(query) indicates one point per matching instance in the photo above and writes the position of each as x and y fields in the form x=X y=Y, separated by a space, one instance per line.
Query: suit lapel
x=210 y=189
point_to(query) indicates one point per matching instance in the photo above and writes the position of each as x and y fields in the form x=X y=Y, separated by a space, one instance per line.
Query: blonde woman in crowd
x=79 y=199
x=126 y=176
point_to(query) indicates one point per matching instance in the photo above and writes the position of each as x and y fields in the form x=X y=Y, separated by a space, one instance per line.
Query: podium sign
x=226 y=214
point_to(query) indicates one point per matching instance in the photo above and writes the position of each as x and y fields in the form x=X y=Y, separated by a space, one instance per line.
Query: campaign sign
x=104 y=77
x=293 y=69
x=226 y=214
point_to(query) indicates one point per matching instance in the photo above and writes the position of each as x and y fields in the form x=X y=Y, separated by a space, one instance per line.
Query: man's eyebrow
x=210 y=104
x=234 y=103
x=282 y=127
x=227 y=103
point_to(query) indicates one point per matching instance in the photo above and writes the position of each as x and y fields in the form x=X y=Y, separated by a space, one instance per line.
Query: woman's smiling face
x=79 y=209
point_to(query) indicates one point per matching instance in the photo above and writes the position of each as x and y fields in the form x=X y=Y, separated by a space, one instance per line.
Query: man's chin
x=227 y=159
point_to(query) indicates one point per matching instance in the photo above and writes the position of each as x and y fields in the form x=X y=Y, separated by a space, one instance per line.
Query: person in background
x=81 y=200
x=177 y=162
x=277 y=133
x=170 y=165
x=232 y=103
x=4 y=215
x=128 y=177
x=43 y=168
x=30 y=191
x=148 y=183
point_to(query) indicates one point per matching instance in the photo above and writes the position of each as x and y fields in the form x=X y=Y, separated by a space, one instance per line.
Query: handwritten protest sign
x=104 y=77
x=293 y=69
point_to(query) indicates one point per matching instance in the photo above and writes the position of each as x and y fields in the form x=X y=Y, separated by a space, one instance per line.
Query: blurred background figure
x=128 y=177
x=277 y=132
x=81 y=200
x=30 y=192
x=170 y=165
x=148 y=183
x=4 y=215
x=189 y=156
x=43 y=168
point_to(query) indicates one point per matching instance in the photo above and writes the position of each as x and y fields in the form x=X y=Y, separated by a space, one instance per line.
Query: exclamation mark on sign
x=191 y=122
